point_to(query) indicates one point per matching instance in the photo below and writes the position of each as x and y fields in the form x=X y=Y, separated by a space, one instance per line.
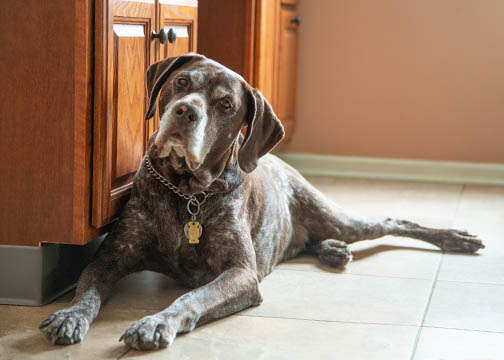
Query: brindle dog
x=260 y=212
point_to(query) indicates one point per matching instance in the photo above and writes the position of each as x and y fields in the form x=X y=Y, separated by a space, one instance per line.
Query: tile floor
x=398 y=299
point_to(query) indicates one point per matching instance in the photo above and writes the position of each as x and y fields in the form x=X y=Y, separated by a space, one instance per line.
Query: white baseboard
x=396 y=169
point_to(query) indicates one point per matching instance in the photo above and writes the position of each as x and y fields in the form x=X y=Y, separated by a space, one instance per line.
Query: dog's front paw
x=151 y=332
x=460 y=241
x=65 y=327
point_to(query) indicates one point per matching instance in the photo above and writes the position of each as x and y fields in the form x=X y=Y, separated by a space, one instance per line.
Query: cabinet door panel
x=120 y=129
x=183 y=20
x=129 y=127
x=182 y=44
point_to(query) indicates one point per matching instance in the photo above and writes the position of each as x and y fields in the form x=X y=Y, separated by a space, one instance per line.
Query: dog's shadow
x=33 y=345
x=306 y=258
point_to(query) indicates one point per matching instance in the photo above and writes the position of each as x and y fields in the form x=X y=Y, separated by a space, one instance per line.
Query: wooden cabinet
x=125 y=48
x=46 y=122
x=72 y=110
x=72 y=105
x=259 y=40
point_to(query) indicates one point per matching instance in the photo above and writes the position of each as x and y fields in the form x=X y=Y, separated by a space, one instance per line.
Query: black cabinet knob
x=162 y=36
x=172 y=36
x=296 y=20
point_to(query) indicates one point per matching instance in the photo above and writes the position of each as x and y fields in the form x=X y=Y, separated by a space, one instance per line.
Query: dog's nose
x=186 y=112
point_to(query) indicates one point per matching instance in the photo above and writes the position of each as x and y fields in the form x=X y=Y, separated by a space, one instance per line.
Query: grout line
x=419 y=332
x=350 y=264
x=462 y=329
x=120 y=356
x=327 y=321
x=415 y=344
x=392 y=277
x=470 y=282
x=417 y=339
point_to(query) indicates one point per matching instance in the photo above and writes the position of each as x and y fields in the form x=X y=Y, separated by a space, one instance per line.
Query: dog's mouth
x=183 y=156
x=192 y=165
x=175 y=144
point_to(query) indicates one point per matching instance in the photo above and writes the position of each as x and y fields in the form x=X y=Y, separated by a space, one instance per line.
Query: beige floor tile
x=352 y=298
x=484 y=203
x=389 y=256
x=490 y=231
x=22 y=339
x=141 y=290
x=387 y=198
x=484 y=267
x=245 y=337
x=449 y=344
x=145 y=290
x=487 y=265
x=468 y=306
x=135 y=296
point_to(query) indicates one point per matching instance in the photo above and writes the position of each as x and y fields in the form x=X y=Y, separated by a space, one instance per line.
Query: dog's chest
x=185 y=261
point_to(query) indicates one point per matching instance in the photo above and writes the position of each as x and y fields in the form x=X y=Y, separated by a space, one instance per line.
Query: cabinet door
x=287 y=67
x=123 y=52
x=183 y=21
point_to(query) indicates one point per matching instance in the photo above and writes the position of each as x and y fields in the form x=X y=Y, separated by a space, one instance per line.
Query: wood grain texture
x=43 y=142
x=128 y=125
x=227 y=32
x=83 y=231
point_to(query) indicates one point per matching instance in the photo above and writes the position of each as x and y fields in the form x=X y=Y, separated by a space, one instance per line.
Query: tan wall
x=418 y=79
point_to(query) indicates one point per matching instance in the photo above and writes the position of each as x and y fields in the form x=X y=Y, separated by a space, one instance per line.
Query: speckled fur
x=257 y=218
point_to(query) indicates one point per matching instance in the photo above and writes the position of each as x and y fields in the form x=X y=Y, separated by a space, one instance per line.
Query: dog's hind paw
x=333 y=253
x=65 y=327
x=148 y=333
x=459 y=241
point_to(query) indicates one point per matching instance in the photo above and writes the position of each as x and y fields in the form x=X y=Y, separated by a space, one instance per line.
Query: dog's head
x=203 y=108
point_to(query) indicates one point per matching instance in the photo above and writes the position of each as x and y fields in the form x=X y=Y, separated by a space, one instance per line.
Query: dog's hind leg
x=326 y=221
x=119 y=255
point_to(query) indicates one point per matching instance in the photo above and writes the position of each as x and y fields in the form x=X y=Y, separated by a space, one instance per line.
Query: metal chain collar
x=192 y=199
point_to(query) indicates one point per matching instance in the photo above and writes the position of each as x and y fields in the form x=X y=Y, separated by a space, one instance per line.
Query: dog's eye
x=226 y=104
x=182 y=81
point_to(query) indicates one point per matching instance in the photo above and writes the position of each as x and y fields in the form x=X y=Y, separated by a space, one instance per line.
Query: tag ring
x=194 y=202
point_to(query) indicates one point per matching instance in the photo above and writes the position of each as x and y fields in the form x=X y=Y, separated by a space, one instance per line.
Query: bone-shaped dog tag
x=193 y=231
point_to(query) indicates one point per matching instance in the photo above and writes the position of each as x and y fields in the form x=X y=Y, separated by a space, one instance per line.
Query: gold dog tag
x=193 y=231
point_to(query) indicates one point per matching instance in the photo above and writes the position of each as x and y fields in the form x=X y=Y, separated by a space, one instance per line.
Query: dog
x=212 y=209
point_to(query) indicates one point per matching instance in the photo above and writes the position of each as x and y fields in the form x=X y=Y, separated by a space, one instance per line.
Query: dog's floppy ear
x=157 y=74
x=264 y=130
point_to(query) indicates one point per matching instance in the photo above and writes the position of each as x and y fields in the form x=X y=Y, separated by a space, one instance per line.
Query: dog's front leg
x=120 y=253
x=234 y=290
